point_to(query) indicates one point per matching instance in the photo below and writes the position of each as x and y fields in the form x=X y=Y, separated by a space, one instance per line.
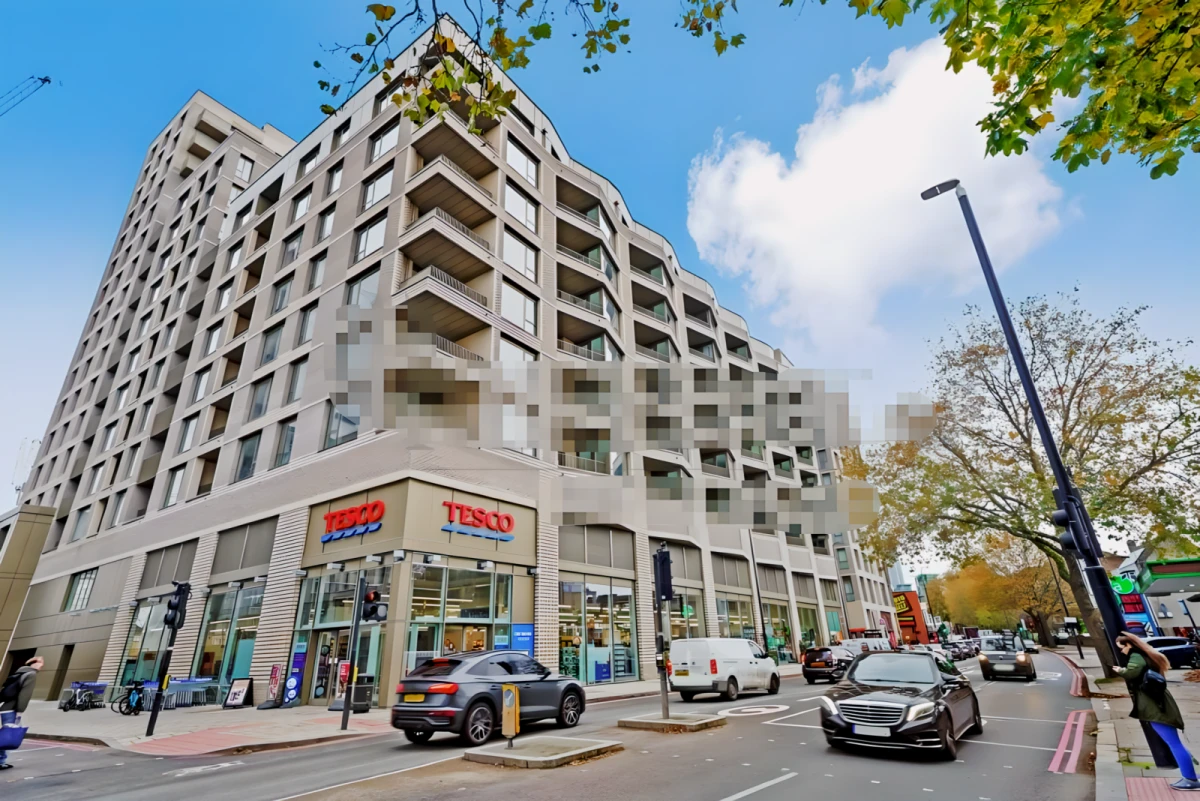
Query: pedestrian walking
x=15 y=697
x=1145 y=675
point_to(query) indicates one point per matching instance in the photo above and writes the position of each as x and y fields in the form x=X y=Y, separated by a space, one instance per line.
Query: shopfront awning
x=1170 y=576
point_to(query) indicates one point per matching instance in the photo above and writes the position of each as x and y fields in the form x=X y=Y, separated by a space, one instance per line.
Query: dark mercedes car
x=1006 y=655
x=901 y=701
x=826 y=662
x=462 y=694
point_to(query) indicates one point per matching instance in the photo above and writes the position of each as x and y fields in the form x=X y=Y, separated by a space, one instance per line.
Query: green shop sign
x=1122 y=585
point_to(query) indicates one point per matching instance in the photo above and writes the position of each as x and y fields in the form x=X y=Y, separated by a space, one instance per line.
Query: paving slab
x=541 y=752
x=675 y=724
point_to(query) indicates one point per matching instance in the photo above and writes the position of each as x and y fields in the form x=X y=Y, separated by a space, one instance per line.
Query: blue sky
x=69 y=157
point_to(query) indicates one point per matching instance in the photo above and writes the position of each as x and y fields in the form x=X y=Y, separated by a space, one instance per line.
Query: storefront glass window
x=833 y=618
x=306 y=616
x=240 y=649
x=477 y=610
x=143 y=646
x=218 y=615
x=133 y=644
x=687 y=615
x=624 y=656
x=780 y=638
x=735 y=616
x=597 y=629
x=468 y=595
x=503 y=596
x=810 y=626
x=337 y=598
x=570 y=627
x=427 y=592
x=598 y=614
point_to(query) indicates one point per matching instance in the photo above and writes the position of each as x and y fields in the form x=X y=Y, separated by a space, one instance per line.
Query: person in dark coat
x=1157 y=708
x=11 y=709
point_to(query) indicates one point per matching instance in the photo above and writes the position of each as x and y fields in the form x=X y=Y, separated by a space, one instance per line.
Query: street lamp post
x=1072 y=515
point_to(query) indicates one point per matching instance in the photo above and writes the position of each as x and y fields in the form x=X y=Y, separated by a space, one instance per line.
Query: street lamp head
x=940 y=189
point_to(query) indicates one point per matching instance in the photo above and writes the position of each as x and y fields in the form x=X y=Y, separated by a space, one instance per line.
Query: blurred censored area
x=719 y=447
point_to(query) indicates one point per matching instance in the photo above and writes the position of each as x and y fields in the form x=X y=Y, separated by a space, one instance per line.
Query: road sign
x=510 y=718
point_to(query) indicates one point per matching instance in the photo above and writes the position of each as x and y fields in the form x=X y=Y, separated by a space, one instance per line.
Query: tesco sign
x=476 y=521
x=353 y=521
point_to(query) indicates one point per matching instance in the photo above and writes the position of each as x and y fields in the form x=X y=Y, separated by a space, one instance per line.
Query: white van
x=721 y=665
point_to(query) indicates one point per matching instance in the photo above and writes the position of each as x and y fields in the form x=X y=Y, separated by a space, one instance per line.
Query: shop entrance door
x=333 y=648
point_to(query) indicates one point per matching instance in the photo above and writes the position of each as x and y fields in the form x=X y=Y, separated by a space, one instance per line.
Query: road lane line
x=368 y=778
x=1010 y=745
x=794 y=714
x=1060 y=753
x=757 y=787
x=1027 y=720
x=1077 y=743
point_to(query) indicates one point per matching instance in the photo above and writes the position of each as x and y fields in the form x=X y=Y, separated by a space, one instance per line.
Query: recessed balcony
x=442 y=184
x=448 y=136
x=437 y=238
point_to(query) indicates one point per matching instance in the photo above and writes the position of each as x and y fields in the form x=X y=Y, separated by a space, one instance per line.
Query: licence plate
x=681 y=672
x=414 y=698
x=816 y=664
x=872 y=731
x=1003 y=668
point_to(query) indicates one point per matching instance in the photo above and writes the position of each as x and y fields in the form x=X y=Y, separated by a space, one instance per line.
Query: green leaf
x=382 y=13
x=370 y=38
x=719 y=43
x=356 y=58
x=317 y=64
x=738 y=40
x=541 y=31
x=598 y=6
x=524 y=8
x=893 y=11
x=328 y=109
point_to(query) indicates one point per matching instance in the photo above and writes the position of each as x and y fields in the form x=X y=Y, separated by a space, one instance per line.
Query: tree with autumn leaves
x=1124 y=409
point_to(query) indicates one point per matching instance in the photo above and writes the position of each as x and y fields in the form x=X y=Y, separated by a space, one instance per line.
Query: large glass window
x=810 y=626
x=520 y=255
x=597 y=629
x=519 y=159
x=468 y=595
x=518 y=308
x=143 y=646
x=735 y=616
x=455 y=610
x=779 y=628
x=519 y=205
x=687 y=615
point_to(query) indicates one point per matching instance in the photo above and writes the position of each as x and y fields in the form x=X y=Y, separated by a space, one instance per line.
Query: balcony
x=708 y=357
x=581 y=352
x=651 y=353
x=656 y=277
x=445 y=161
x=582 y=303
x=579 y=215
x=149 y=467
x=437 y=238
x=715 y=470
x=754 y=452
x=448 y=280
x=591 y=261
x=575 y=462
x=448 y=135
x=441 y=185
x=655 y=314
x=698 y=320
x=454 y=349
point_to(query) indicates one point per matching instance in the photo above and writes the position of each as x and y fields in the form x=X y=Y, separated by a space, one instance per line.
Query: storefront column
x=273 y=643
x=712 y=626
x=644 y=605
x=114 y=653
x=760 y=628
x=545 y=592
x=184 y=655
x=391 y=668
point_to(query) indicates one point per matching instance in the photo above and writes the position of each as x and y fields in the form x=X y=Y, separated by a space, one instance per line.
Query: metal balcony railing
x=455 y=224
x=454 y=349
x=590 y=261
x=714 y=469
x=576 y=350
x=586 y=305
x=661 y=316
x=578 y=214
x=576 y=462
x=454 y=283
x=698 y=320
x=702 y=354
x=647 y=274
x=433 y=162
x=780 y=470
x=653 y=354
x=751 y=453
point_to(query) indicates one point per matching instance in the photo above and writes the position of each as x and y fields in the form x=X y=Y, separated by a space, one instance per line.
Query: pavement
x=1035 y=747
x=1125 y=769
x=213 y=730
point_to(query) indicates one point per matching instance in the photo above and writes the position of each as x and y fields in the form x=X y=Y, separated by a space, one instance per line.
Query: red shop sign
x=479 y=517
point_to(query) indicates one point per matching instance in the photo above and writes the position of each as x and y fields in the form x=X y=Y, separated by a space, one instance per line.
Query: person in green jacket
x=1161 y=713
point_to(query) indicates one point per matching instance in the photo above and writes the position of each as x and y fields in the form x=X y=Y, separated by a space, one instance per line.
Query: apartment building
x=274 y=317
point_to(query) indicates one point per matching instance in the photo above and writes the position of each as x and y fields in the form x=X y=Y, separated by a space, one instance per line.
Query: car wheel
x=773 y=686
x=478 y=724
x=731 y=690
x=810 y=679
x=949 y=744
x=987 y=676
x=569 y=710
x=834 y=743
x=1031 y=677
x=688 y=696
x=977 y=723
x=418 y=737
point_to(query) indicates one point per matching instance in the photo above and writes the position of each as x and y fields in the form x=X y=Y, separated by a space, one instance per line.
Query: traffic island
x=677 y=723
x=541 y=752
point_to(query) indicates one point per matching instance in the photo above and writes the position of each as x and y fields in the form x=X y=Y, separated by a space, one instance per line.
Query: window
x=224 y=295
x=79 y=591
x=135 y=357
x=296 y=380
x=122 y=397
x=235 y=192
x=235 y=257
x=260 y=398
x=174 y=487
x=308 y=321
x=369 y=239
x=333 y=180
x=110 y=436
x=247 y=456
x=168 y=334
x=270 y=346
x=94 y=479
x=520 y=255
x=143 y=326
x=145 y=419
x=279 y=298
x=848 y=588
x=283 y=444
x=520 y=206
x=208 y=197
x=512 y=352
x=520 y=160
x=362 y=290
x=301 y=205
x=518 y=308
x=316 y=273
x=291 y=247
x=342 y=425
x=212 y=340
x=200 y=385
x=377 y=188
x=384 y=142
x=325 y=224
x=118 y=507
x=187 y=433
x=245 y=168
x=307 y=163
x=339 y=136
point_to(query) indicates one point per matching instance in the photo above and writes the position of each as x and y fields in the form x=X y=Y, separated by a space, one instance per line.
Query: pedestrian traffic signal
x=372 y=608
x=662 y=576
x=177 y=606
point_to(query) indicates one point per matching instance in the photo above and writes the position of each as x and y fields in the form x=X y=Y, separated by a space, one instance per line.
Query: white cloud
x=822 y=238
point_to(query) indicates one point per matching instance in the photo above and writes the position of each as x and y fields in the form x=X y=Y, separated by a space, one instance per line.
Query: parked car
x=462 y=694
x=827 y=663
x=725 y=665
x=1180 y=651
x=1006 y=656
x=961 y=649
x=1031 y=646
x=901 y=700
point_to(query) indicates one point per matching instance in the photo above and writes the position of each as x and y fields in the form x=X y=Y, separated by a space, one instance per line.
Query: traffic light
x=372 y=609
x=1060 y=518
x=177 y=606
x=662 y=576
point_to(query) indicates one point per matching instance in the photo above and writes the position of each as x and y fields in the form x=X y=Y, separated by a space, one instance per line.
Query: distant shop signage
x=353 y=521
x=476 y=521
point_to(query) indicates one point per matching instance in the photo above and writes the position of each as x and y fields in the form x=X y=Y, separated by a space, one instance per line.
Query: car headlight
x=1021 y=657
x=921 y=710
x=829 y=706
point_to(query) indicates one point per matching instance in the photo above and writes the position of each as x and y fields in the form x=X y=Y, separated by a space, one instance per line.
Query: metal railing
x=786 y=472
x=461 y=124
x=455 y=224
x=706 y=356
x=750 y=453
x=578 y=214
x=454 y=349
x=586 y=305
x=443 y=159
x=698 y=320
x=577 y=350
x=453 y=283
x=657 y=315
x=652 y=353
x=647 y=274
x=594 y=263
x=714 y=469
x=576 y=462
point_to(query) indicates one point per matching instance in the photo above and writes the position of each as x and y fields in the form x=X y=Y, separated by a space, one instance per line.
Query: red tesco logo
x=478 y=516
x=354 y=516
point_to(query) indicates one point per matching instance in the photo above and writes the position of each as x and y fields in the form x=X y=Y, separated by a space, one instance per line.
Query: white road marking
x=752 y=790
x=794 y=714
x=1011 y=745
x=377 y=776
x=754 y=709
x=201 y=769
x=1025 y=720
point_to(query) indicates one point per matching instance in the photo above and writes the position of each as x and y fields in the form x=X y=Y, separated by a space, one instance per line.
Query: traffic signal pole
x=1072 y=514
x=663 y=596
x=348 y=699
x=173 y=620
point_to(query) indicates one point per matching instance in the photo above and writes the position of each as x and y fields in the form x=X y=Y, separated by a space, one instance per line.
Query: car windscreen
x=435 y=667
x=998 y=644
x=883 y=668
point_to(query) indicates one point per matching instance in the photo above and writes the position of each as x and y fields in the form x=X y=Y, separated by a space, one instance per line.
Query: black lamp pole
x=1080 y=536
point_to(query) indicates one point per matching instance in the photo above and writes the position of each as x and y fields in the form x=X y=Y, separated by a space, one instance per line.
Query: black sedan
x=901 y=701
x=826 y=662
x=462 y=694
